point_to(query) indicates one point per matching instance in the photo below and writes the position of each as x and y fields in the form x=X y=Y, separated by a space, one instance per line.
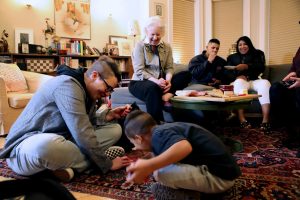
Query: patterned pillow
x=13 y=78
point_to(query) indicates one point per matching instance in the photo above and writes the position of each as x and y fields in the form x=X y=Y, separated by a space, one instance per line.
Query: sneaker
x=162 y=192
x=245 y=124
x=114 y=151
x=64 y=175
x=265 y=127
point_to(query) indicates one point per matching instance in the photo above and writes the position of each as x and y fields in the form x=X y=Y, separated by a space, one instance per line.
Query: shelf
x=124 y=62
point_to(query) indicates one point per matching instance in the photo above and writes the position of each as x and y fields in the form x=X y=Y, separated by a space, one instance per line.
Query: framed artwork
x=113 y=39
x=125 y=47
x=24 y=48
x=159 y=9
x=73 y=19
x=112 y=49
x=23 y=36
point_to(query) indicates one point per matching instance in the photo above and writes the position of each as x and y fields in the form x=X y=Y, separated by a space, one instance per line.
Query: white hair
x=155 y=21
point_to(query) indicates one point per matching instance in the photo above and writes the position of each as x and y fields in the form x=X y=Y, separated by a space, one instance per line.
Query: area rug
x=269 y=171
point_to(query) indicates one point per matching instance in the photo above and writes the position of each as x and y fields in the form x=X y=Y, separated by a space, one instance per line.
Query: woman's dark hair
x=248 y=41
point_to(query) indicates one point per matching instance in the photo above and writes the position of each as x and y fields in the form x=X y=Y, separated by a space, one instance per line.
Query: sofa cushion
x=198 y=87
x=179 y=67
x=18 y=100
x=13 y=78
x=122 y=95
x=277 y=72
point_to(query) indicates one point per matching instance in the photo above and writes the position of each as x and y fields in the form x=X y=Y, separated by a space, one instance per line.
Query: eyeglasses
x=109 y=88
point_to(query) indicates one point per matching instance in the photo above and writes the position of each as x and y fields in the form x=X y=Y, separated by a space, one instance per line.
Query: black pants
x=151 y=93
x=285 y=105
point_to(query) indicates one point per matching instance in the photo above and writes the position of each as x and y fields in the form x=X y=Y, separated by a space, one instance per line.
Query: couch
x=14 y=100
x=273 y=73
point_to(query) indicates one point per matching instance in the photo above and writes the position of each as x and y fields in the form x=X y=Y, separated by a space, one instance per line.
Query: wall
x=107 y=18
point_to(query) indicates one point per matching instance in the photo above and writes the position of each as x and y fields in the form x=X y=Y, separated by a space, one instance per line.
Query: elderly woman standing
x=250 y=64
x=153 y=80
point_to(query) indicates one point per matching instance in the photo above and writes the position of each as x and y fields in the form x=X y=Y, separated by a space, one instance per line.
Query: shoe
x=114 y=151
x=64 y=175
x=245 y=124
x=162 y=192
x=230 y=117
x=265 y=127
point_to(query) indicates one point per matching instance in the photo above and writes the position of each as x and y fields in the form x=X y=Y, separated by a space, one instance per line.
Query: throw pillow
x=13 y=78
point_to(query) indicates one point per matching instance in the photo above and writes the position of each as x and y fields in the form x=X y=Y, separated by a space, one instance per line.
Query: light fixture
x=133 y=29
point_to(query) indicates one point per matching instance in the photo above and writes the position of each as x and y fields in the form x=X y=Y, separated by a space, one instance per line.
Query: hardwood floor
x=78 y=195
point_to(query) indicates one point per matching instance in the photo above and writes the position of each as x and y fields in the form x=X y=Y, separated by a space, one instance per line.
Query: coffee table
x=213 y=103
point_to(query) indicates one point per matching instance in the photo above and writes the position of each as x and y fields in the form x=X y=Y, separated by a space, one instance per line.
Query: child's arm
x=141 y=169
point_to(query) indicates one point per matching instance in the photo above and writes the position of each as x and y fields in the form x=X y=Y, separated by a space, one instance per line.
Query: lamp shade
x=133 y=28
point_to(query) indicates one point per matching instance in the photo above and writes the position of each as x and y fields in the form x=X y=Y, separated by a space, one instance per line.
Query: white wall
x=108 y=17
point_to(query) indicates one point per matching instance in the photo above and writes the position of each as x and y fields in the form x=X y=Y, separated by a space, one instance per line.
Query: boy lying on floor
x=188 y=158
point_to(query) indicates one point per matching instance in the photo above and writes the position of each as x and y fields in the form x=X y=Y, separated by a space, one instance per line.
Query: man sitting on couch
x=207 y=68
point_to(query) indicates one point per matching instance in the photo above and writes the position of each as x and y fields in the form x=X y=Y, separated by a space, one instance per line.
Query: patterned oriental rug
x=270 y=171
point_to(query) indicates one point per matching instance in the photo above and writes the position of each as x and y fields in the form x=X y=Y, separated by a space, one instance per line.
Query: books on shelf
x=5 y=59
x=88 y=63
x=121 y=64
x=72 y=47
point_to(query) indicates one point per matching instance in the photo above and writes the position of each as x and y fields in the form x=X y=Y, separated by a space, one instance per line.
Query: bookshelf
x=124 y=62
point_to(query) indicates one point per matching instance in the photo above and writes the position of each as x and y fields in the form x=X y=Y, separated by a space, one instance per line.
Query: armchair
x=13 y=103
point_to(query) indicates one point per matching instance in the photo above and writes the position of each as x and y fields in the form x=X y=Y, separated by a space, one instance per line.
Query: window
x=227 y=23
x=183 y=31
x=284 y=30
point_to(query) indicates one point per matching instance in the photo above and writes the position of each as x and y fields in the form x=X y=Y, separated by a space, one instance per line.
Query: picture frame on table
x=114 y=39
x=125 y=47
x=24 y=48
x=112 y=49
x=23 y=36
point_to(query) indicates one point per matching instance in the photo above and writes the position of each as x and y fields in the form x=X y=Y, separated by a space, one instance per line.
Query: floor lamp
x=133 y=30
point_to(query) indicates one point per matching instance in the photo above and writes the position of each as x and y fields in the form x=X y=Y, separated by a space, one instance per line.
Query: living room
x=266 y=27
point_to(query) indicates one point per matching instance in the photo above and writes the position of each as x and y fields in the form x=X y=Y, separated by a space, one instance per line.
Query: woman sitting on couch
x=153 y=80
x=249 y=65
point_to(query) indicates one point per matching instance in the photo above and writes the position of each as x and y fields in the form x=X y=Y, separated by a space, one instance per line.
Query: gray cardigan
x=59 y=107
x=146 y=63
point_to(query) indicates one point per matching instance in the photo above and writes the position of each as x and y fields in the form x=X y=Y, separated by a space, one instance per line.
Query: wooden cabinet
x=125 y=67
x=51 y=61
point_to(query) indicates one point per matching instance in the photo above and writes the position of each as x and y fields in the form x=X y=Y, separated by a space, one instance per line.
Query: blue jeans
x=51 y=151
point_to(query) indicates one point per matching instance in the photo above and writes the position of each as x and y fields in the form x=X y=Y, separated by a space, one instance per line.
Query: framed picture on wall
x=73 y=19
x=23 y=36
x=159 y=9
